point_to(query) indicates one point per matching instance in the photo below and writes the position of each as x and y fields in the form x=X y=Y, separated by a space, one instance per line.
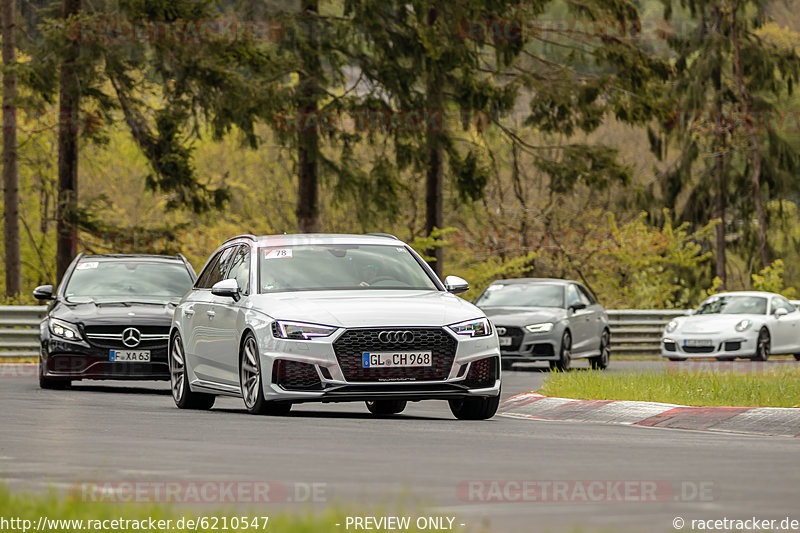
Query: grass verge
x=62 y=513
x=758 y=387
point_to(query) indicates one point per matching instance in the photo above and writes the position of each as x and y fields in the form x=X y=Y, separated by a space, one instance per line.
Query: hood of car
x=713 y=323
x=524 y=316
x=109 y=313
x=369 y=308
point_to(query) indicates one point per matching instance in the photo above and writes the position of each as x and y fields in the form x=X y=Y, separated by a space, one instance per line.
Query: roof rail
x=245 y=236
x=383 y=235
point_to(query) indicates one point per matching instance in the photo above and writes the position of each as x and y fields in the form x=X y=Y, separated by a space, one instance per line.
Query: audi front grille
x=350 y=346
x=516 y=335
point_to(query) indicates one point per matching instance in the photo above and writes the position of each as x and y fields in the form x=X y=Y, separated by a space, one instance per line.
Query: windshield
x=522 y=295
x=337 y=267
x=127 y=281
x=734 y=305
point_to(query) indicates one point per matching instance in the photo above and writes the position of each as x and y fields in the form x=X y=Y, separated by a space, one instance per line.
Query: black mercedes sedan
x=110 y=318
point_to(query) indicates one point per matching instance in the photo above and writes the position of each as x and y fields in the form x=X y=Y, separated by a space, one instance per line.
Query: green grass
x=291 y=518
x=778 y=387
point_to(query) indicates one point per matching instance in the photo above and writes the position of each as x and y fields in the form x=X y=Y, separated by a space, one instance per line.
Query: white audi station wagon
x=285 y=319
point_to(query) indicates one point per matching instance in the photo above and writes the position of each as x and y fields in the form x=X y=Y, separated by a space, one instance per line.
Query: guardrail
x=19 y=330
x=638 y=331
x=633 y=331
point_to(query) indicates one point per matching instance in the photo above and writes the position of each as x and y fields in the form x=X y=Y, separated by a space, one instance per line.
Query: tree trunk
x=307 y=209
x=434 y=188
x=68 y=121
x=755 y=177
x=719 y=165
x=13 y=263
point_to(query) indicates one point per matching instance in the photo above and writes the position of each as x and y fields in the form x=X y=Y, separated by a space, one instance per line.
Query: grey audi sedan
x=552 y=320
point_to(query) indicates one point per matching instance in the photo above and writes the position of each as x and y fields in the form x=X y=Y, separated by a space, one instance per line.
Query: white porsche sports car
x=728 y=325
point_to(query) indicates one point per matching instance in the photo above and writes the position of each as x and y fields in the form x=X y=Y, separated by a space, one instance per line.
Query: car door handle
x=188 y=312
x=211 y=314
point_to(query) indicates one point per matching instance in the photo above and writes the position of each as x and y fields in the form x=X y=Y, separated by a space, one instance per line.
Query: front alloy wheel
x=600 y=362
x=250 y=381
x=179 y=382
x=564 y=361
x=762 y=346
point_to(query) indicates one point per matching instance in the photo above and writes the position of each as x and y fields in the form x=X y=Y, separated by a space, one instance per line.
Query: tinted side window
x=779 y=302
x=216 y=269
x=240 y=268
x=587 y=297
x=573 y=296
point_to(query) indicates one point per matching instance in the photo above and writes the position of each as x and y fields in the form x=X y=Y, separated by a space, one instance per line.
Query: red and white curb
x=776 y=421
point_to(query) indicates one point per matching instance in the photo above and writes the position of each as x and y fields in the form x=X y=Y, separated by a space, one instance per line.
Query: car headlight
x=64 y=330
x=544 y=327
x=301 y=330
x=672 y=326
x=743 y=325
x=477 y=327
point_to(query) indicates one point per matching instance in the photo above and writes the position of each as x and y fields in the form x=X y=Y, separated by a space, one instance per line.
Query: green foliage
x=630 y=265
x=770 y=279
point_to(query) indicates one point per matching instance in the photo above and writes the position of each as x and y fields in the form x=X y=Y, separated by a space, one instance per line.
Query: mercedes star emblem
x=131 y=337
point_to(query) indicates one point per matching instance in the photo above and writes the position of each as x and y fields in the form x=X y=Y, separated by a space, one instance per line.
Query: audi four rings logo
x=131 y=337
x=396 y=336
x=501 y=330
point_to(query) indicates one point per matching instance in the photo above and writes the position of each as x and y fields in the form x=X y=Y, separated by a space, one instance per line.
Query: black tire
x=478 y=408
x=250 y=382
x=564 y=361
x=797 y=357
x=762 y=346
x=601 y=361
x=677 y=359
x=386 y=407
x=51 y=383
x=179 y=381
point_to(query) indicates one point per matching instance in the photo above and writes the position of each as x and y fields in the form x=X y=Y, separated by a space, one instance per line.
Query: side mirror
x=577 y=306
x=43 y=292
x=227 y=288
x=779 y=312
x=455 y=285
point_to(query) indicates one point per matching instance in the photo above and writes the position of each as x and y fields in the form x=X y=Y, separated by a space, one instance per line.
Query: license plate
x=395 y=359
x=697 y=342
x=505 y=341
x=129 y=356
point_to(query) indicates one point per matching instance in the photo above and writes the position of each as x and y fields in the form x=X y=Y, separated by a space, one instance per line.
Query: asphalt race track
x=113 y=432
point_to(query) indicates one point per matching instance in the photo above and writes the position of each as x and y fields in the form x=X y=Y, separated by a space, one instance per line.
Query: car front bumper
x=525 y=346
x=313 y=371
x=684 y=346
x=80 y=360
